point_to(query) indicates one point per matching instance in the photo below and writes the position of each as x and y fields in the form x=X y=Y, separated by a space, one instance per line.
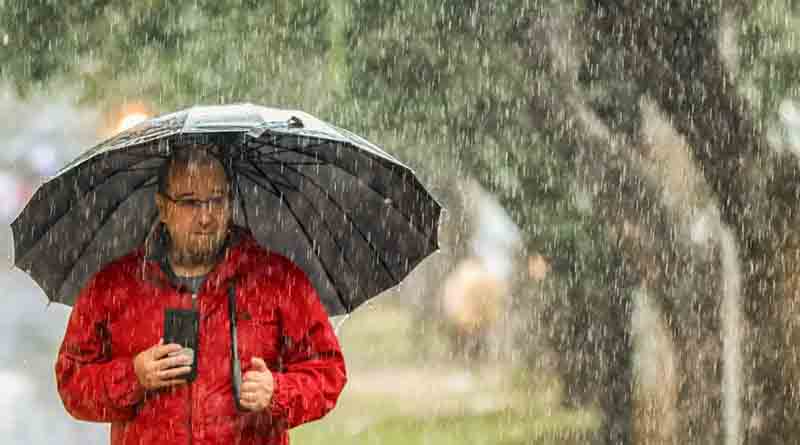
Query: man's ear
x=161 y=205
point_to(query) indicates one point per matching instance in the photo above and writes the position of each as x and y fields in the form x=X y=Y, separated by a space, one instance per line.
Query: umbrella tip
x=295 y=122
x=339 y=324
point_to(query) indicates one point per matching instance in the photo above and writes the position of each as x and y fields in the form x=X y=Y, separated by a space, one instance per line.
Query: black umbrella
x=353 y=217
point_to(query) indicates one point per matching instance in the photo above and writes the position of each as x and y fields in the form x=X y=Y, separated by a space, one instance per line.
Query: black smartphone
x=181 y=327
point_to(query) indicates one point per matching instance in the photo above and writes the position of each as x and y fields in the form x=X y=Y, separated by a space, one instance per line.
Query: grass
x=504 y=427
x=396 y=394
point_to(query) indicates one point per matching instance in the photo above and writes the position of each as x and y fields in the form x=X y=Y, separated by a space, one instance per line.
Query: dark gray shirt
x=191 y=283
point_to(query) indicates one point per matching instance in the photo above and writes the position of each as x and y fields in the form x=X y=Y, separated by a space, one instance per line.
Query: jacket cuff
x=122 y=385
x=278 y=407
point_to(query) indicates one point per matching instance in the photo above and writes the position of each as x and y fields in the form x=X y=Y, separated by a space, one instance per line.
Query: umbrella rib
x=308 y=238
x=137 y=159
x=411 y=223
x=152 y=220
x=344 y=304
x=92 y=155
x=288 y=186
x=137 y=140
x=254 y=179
x=275 y=160
x=136 y=169
x=141 y=185
x=280 y=149
x=105 y=148
x=279 y=162
x=261 y=144
x=349 y=220
x=358 y=179
x=70 y=206
x=333 y=237
x=242 y=203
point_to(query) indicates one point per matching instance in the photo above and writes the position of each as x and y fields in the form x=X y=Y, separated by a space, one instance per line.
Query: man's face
x=196 y=211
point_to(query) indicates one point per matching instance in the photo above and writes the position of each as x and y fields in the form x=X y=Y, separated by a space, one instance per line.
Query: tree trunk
x=671 y=51
x=637 y=226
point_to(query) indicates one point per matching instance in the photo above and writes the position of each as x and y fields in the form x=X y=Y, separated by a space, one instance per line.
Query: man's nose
x=204 y=215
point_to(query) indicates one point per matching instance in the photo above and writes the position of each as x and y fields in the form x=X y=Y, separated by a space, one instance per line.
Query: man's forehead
x=205 y=172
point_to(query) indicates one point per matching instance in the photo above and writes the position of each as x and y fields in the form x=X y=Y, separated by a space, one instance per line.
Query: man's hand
x=257 y=386
x=151 y=366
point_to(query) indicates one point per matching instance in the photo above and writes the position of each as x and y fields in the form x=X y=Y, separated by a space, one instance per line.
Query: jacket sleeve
x=314 y=373
x=92 y=385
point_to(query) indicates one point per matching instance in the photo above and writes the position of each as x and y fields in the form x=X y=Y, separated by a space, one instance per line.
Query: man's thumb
x=258 y=364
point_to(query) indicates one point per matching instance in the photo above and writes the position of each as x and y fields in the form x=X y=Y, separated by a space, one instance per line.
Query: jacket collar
x=156 y=269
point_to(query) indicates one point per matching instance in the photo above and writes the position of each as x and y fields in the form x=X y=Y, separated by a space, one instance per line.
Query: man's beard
x=198 y=254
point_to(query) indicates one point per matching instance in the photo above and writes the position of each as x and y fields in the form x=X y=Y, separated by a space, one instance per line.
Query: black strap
x=236 y=368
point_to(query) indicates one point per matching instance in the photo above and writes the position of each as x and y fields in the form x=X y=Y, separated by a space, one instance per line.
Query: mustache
x=195 y=252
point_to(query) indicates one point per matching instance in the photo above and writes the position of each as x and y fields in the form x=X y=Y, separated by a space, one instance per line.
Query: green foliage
x=171 y=54
x=769 y=58
x=443 y=85
x=452 y=77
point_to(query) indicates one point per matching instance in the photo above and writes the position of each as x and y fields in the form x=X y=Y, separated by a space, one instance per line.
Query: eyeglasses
x=214 y=204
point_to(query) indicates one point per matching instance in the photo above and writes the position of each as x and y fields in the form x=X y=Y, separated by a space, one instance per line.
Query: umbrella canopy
x=353 y=217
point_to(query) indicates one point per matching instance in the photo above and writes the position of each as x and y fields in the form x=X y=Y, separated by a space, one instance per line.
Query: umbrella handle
x=236 y=368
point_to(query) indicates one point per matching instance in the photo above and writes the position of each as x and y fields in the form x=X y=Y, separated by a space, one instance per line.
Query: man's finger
x=250 y=386
x=171 y=362
x=162 y=350
x=250 y=403
x=253 y=375
x=173 y=382
x=250 y=406
x=258 y=364
x=167 y=374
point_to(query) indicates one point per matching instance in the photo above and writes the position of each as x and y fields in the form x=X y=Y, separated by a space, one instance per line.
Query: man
x=113 y=365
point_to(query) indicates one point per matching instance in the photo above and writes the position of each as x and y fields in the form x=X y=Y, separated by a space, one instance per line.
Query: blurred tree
x=171 y=54
x=672 y=52
x=583 y=106
x=467 y=88
x=442 y=84
x=470 y=78
x=446 y=85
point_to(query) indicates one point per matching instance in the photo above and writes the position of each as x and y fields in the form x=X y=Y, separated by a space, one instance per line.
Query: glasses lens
x=215 y=204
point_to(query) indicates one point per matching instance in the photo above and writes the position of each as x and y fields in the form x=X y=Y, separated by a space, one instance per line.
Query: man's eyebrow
x=218 y=192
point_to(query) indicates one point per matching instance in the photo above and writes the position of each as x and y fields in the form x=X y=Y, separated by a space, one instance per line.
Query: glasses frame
x=217 y=203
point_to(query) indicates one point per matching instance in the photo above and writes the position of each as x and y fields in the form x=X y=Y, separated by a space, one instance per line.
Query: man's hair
x=183 y=155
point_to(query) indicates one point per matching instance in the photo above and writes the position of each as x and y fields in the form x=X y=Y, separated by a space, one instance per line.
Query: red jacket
x=120 y=313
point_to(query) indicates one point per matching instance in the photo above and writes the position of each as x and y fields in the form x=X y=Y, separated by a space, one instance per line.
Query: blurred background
x=619 y=254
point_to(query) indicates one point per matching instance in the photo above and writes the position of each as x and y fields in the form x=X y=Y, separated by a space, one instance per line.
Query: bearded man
x=114 y=366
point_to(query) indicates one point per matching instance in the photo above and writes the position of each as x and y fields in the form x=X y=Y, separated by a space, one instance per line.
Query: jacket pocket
x=259 y=337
